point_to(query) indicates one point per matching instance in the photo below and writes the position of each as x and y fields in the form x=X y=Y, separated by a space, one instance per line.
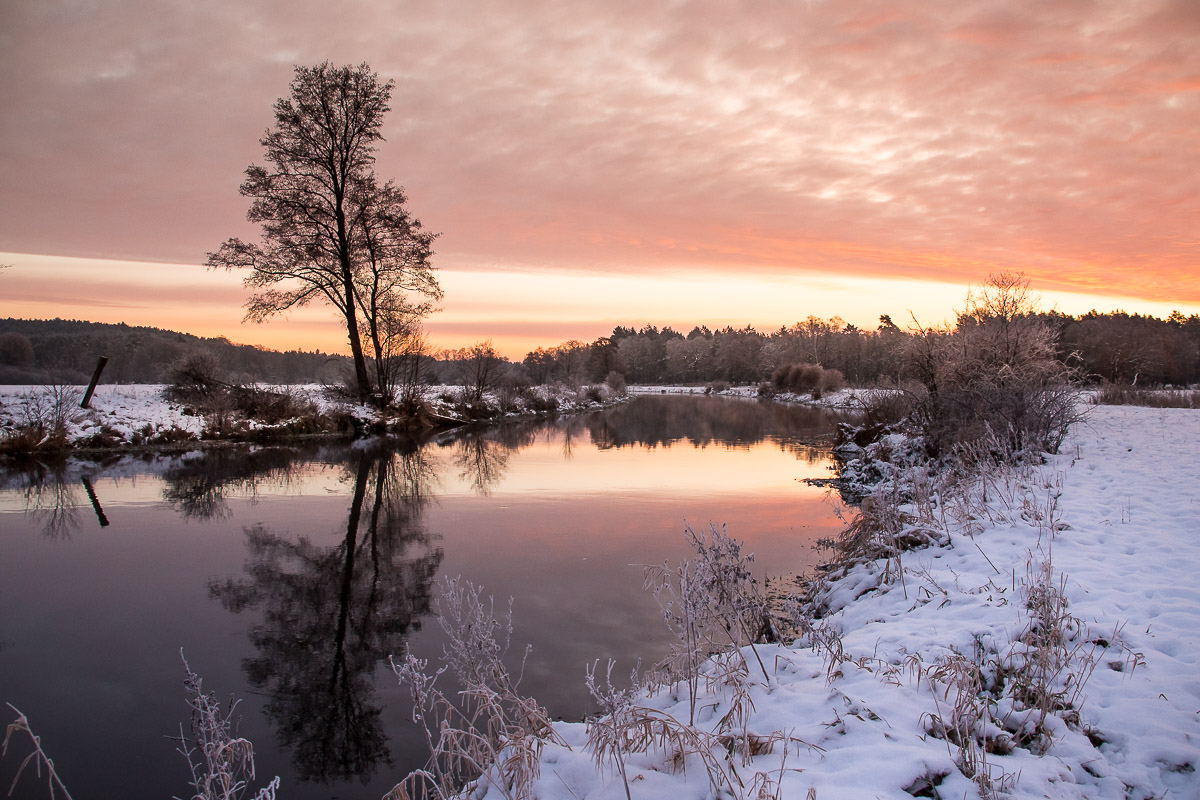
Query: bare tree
x=478 y=368
x=321 y=210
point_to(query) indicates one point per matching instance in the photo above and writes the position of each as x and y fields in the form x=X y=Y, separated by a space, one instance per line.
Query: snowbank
x=869 y=704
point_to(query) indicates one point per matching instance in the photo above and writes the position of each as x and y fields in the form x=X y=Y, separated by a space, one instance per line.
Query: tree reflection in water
x=662 y=421
x=331 y=614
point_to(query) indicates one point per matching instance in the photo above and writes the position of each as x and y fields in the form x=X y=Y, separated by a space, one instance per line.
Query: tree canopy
x=330 y=230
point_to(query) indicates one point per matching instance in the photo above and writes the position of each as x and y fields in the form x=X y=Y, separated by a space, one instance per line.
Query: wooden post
x=87 y=397
x=91 y=493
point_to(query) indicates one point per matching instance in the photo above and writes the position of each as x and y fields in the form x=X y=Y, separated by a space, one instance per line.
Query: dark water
x=288 y=574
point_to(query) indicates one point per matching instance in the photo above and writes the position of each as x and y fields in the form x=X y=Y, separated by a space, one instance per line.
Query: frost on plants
x=709 y=603
x=37 y=758
x=487 y=732
x=221 y=764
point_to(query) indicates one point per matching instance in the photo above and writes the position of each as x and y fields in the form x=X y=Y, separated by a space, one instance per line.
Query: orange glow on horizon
x=518 y=311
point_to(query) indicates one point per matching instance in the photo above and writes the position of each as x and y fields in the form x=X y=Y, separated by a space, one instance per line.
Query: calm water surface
x=288 y=575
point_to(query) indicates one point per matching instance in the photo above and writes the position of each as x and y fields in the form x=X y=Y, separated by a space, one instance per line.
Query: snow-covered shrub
x=42 y=418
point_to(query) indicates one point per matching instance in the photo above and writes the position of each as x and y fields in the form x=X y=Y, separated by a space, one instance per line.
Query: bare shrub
x=42 y=419
x=493 y=730
x=997 y=370
x=37 y=756
x=832 y=380
x=616 y=382
x=194 y=379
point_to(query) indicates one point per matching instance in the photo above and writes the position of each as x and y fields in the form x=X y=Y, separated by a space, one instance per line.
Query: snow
x=137 y=412
x=1115 y=515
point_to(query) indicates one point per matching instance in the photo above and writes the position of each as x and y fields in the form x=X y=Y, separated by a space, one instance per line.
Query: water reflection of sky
x=249 y=559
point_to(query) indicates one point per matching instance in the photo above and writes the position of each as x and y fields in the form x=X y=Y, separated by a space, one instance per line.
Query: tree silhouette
x=330 y=232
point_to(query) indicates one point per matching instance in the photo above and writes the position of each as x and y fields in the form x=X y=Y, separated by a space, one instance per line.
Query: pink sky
x=768 y=159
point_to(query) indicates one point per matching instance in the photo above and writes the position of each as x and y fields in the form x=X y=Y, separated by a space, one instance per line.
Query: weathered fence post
x=87 y=397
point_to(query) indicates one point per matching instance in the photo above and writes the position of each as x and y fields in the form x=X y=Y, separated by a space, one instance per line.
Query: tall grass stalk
x=37 y=757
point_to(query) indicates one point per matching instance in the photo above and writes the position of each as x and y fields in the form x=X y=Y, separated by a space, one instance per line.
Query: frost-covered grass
x=1040 y=641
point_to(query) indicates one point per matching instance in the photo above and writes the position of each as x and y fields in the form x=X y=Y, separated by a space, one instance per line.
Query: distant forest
x=1114 y=347
x=1110 y=347
x=66 y=351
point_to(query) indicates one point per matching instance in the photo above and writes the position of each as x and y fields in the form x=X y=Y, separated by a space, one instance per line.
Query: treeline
x=1112 y=347
x=66 y=351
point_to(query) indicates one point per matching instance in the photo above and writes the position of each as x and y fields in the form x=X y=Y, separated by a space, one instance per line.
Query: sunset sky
x=621 y=162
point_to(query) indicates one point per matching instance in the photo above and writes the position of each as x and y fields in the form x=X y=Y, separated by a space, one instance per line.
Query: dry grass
x=221 y=764
x=1116 y=395
x=709 y=603
x=492 y=735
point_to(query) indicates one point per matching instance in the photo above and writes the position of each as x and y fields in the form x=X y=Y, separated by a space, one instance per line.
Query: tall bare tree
x=320 y=207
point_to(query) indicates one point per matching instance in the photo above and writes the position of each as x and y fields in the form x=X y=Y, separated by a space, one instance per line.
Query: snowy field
x=1116 y=516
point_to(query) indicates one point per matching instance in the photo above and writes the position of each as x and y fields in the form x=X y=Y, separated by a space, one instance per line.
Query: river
x=287 y=575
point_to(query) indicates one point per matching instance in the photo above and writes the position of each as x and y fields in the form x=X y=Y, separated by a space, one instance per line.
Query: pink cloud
x=940 y=139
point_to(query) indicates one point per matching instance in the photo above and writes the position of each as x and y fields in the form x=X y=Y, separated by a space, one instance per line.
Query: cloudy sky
x=624 y=161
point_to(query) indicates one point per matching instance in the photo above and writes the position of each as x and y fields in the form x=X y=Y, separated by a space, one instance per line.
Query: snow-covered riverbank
x=876 y=703
x=139 y=414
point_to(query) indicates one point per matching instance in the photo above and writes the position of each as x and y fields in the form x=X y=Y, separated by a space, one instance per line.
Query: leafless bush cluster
x=197 y=381
x=996 y=372
x=493 y=734
x=807 y=379
x=41 y=419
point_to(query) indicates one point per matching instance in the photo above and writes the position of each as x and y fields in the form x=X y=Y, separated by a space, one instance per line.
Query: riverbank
x=138 y=415
x=1045 y=645
x=848 y=398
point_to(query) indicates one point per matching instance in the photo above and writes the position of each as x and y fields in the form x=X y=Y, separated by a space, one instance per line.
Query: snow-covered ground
x=1116 y=517
x=133 y=413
